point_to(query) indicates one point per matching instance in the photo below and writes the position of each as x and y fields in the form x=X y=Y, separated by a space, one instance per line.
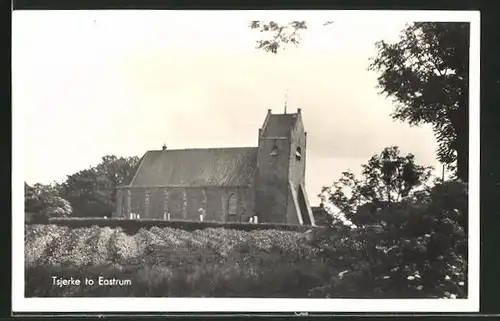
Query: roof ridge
x=193 y=149
x=284 y=116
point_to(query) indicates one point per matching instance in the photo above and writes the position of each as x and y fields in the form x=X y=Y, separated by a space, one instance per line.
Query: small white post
x=256 y=219
x=201 y=210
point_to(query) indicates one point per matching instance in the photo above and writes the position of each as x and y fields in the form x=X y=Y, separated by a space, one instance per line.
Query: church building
x=263 y=184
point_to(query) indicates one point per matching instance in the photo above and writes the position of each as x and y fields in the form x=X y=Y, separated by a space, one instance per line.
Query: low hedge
x=133 y=225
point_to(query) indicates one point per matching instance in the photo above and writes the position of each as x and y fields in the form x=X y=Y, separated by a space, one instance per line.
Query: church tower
x=280 y=194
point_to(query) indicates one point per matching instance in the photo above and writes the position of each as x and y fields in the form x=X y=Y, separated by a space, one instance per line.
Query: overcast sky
x=124 y=82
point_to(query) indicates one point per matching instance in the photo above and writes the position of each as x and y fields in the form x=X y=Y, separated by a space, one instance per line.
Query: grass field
x=212 y=262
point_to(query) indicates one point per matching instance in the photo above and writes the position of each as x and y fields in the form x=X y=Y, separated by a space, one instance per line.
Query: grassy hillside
x=172 y=262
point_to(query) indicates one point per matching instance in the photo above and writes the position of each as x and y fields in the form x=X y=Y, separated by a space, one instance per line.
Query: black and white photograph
x=257 y=161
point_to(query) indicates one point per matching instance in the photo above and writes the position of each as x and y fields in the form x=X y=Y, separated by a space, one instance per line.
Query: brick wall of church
x=185 y=203
x=271 y=186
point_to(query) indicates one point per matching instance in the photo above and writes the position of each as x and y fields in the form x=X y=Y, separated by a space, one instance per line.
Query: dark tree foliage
x=409 y=239
x=44 y=200
x=279 y=34
x=92 y=192
x=427 y=74
x=388 y=178
x=418 y=249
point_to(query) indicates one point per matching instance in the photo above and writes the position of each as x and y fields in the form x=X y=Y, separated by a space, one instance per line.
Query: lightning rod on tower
x=286 y=99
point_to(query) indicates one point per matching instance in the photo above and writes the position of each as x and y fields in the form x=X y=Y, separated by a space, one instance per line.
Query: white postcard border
x=22 y=304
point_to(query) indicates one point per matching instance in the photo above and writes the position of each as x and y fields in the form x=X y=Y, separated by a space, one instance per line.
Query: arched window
x=232 y=205
x=298 y=153
x=146 y=202
x=124 y=205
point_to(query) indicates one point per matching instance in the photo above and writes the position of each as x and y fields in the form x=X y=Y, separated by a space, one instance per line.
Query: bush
x=420 y=250
x=43 y=201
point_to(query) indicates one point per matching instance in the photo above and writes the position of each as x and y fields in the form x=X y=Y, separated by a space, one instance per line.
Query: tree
x=113 y=172
x=44 y=200
x=387 y=179
x=419 y=249
x=280 y=34
x=410 y=238
x=92 y=192
x=426 y=74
